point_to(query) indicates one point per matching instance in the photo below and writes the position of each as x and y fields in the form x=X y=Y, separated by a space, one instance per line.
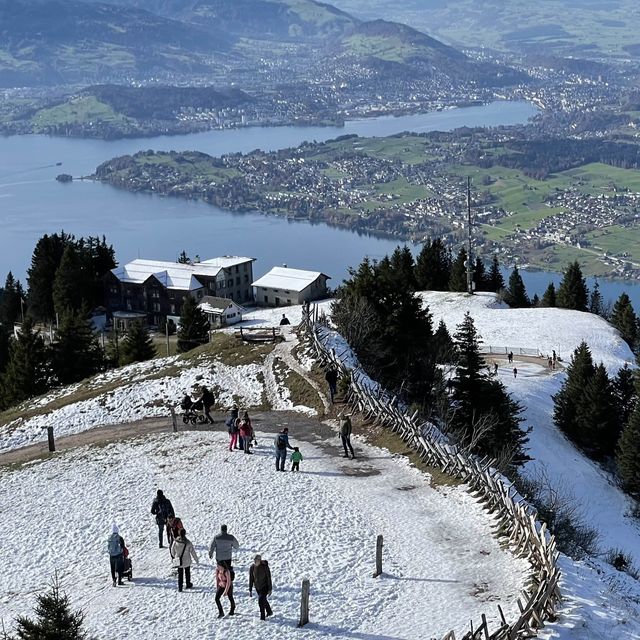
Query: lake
x=32 y=203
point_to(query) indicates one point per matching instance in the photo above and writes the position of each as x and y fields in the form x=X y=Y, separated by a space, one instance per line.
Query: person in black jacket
x=260 y=577
x=331 y=376
x=162 y=509
x=115 y=547
x=208 y=400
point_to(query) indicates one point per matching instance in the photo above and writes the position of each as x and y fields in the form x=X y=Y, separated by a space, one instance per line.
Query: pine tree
x=480 y=277
x=549 y=296
x=597 y=424
x=4 y=350
x=55 y=619
x=628 y=455
x=76 y=353
x=11 y=301
x=28 y=369
x=573 y=292
x=568 y=399
x=183 y=258
x=445 y=347
x=137 y=345
x=480 y=400
x=433 y=267
x=535 y=301
x=516 y=293
x=624 y=319
x=458 y=278
x=403 y=268
x=194 y=326
x=69 y=282
x=626 y=393
x=495 y=279
x=596 y=305
x=40 y=276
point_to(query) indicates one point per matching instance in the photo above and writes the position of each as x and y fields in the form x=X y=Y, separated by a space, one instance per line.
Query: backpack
x=115 y=549
x=282 y=442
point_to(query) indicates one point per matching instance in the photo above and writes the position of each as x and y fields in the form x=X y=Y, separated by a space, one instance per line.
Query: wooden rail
x=516 y=522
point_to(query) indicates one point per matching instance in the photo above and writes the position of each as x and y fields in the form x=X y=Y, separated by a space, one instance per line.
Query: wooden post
x=304 y=603
x=52 y=444
x=174 y=420
x=378 y=557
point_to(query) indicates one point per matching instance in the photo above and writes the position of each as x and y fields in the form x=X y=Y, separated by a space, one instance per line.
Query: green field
x=80 y=110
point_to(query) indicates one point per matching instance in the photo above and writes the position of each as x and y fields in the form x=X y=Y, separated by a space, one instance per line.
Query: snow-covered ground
x=442 y=565
x=600 y=596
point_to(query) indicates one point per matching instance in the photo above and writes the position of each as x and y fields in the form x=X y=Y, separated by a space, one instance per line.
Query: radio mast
x=469 y=259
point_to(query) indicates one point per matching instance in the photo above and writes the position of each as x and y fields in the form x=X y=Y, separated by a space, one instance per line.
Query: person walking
x=284 y=321
x=174 y=526
x=510 y=357
x=260 y=577
x=495 y=368
x=162 y=509
x=224 y=587
x=208 y=400
x=246 y=432
x=223 y=545
x=331 y=376
x=281 y=443
x=345 y=434
x=182 y=552
x=515 y=372
x=296 y=459
x=116 y=546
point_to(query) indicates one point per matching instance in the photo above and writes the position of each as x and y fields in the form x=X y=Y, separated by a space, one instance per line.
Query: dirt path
x=301 y=428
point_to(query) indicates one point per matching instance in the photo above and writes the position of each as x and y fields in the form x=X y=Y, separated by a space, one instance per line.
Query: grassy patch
x=302 y=393
x=80 y=110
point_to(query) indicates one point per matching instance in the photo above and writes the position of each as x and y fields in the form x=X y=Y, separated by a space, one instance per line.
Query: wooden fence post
x=174 y=420
x=304 y=603
x=52 y=444
x=378 y=557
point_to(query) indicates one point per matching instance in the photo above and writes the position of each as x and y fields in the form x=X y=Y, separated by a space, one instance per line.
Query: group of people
x=204 y=401
x=241 y=435
x=183 y=555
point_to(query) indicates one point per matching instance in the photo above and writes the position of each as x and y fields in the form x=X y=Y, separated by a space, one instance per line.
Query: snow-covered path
x=442 y=566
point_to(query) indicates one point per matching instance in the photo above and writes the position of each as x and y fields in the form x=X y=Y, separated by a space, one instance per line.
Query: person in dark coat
x=345 y=434
x=116 y=546
x=162 y=509
x=260 y=577
x=331 y=376
x=284 y=321
x=281 y=443
x=208 y=400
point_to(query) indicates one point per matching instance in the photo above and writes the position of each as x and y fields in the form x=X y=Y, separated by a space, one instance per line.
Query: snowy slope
x=442 y=566
x=599 y=597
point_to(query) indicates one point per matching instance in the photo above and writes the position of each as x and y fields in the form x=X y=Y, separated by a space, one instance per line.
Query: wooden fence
x=516 y=522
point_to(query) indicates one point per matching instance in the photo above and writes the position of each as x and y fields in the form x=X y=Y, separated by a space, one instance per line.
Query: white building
x=221 y=312
x=283 y=286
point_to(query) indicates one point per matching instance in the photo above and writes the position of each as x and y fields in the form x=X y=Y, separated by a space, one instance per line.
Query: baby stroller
x=128 y=567
x=193 y=411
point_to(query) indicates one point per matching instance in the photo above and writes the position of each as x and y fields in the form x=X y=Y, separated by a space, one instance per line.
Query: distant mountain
x=62 y=41
x=591 y=29
x=285 y=20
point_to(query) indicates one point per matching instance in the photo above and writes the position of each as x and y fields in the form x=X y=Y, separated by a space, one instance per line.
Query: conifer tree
x=445 y=347
x=403 y=268
x=480 y=277
x=624 y=319
x=4 y=349
x=28 y=369
x=628 y=455
x=567 y=400
x=433 y=267
x=516 y=293
x=458 y=278
x=137 y=345
x=573 y=292
x=11 y=302
x=194 y=326
x=535 y=301
x=549 y=296
x=596 y=304
x=597 y=423
x=54 y=619
x=625 y=392
x=495 y=279
x=76 y=352
x=480 y=400
x=69 y=282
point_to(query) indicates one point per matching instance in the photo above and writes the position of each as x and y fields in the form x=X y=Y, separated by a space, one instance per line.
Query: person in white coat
x=182 y=551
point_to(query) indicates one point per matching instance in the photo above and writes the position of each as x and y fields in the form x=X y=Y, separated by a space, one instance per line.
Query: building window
x=156 y=306
x=246 y=278
x=212 y=286
x=266 y=299
x=113 y=289
x=287 y=292
x=237 y=269
x=155 y=293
